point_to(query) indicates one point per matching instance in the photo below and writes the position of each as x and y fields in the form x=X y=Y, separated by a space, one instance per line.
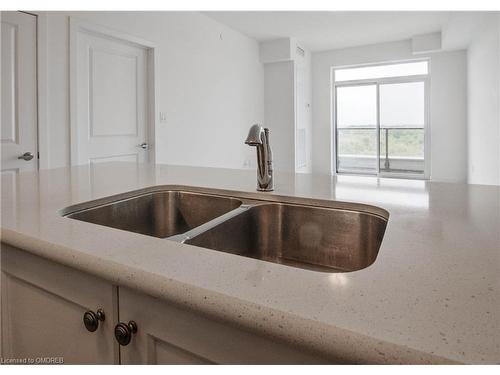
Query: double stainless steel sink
x=311 y=234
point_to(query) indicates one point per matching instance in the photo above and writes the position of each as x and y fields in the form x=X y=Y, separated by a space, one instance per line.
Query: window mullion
x=378 y=128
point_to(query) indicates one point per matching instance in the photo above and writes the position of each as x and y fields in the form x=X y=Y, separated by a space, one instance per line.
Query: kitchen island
x=431 y=296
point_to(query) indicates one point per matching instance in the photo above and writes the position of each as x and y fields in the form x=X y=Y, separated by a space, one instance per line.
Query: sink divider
x=183 y=237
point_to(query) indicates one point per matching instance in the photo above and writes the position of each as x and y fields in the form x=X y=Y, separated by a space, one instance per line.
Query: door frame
x=77 y=25
x=43 y=131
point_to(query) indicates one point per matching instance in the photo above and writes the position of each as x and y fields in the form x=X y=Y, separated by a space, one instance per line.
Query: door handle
x=27 y=156
x=144 y=146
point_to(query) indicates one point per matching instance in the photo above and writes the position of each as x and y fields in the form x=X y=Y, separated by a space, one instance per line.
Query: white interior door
x=111 y=100
x=18 y=81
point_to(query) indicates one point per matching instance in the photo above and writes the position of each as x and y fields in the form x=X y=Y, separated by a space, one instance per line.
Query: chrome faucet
x=259 y=137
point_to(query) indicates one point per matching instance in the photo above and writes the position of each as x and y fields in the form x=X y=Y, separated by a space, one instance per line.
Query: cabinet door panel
x=167 y=334
x=42 y=311
x=162 y=352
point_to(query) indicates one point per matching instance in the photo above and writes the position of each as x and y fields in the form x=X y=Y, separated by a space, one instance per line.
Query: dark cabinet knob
x=91 y=319
x=124 y=332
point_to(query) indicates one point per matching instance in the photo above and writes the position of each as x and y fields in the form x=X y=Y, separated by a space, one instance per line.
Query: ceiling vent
x=300 y=51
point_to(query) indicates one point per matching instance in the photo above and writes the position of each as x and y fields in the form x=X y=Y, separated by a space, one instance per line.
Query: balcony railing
x=401 y=150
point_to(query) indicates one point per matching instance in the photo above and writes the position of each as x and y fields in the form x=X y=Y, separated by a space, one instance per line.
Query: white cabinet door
x=43 y=304
x=19 y=108
x=169 y=335
x=110 y=101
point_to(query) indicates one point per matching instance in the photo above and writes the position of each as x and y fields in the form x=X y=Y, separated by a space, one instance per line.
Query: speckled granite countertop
x=432 y=295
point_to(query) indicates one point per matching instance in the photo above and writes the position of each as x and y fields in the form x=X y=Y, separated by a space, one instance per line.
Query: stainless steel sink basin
x=315 y=238
x=159 y=214
x=305 y=233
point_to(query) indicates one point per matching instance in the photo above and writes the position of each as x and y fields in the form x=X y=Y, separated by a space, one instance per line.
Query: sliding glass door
x=380 y=127
x=357 y=118
x=402 y=124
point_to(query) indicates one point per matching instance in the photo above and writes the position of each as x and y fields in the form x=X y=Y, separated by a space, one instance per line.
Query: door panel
x=42 y=311
x=10 y=42
x=131 y=157
x=169 y=335
x=111 y=104
x=19 y=108
x=162 y=352
x=402 y=124
x=113 y=85
x=356 y=111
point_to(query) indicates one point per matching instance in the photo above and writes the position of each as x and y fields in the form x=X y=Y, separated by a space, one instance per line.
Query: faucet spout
x=255 y=134
x=259 y=137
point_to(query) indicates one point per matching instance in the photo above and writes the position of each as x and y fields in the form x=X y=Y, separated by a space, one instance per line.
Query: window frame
x=425 y=78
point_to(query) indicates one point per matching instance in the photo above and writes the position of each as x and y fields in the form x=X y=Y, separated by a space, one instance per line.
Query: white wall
x=303 y=104
x=448 y=90
x=279 y=98
x=287 y=102
x=211 y=85
x=483 y=128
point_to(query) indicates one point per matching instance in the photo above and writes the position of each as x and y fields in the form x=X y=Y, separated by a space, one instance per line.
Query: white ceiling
x=320 y=31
